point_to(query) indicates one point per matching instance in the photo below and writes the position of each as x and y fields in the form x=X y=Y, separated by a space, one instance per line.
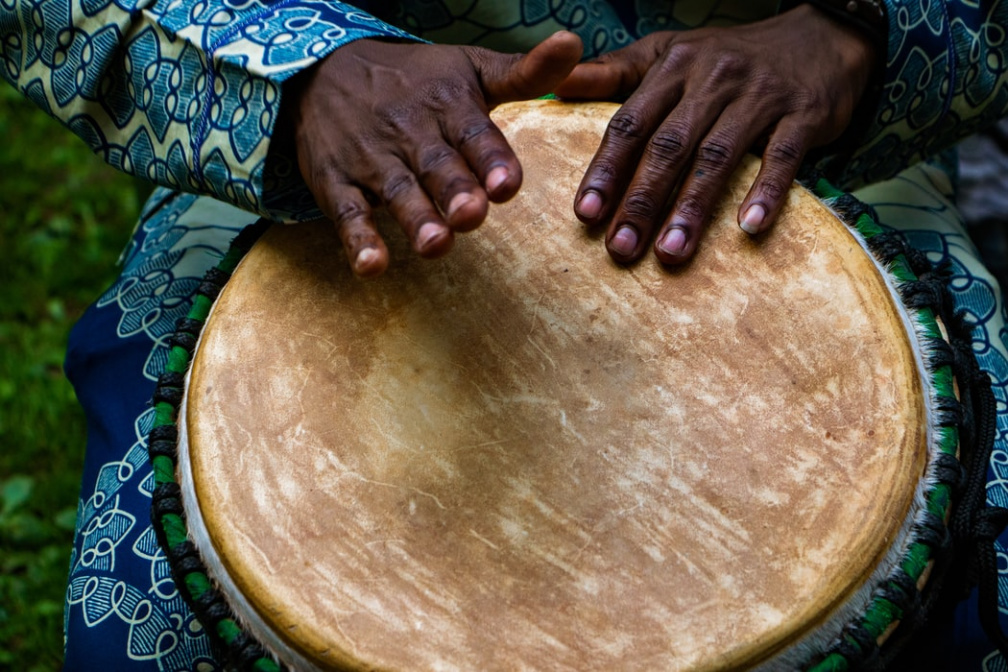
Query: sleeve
x=184 y=93
x=946 y=76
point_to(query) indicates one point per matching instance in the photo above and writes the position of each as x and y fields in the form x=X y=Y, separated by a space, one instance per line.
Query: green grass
x=64 y=218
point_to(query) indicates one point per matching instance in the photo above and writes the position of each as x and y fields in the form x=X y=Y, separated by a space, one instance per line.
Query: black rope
x=963 y=551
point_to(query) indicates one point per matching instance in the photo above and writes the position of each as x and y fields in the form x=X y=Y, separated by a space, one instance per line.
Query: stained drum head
x=523 y=456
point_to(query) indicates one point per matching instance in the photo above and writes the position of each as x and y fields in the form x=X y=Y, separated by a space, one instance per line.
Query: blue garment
x=186 y=94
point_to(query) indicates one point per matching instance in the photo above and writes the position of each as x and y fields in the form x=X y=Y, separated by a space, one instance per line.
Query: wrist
x=867 y=17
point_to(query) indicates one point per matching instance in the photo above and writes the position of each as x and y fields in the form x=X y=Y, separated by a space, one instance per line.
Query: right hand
x=408 y=125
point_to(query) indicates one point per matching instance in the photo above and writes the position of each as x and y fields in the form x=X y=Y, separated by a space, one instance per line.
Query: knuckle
x=731 y=65
x=396 y=186
x=690 y=208
x=788 y=151
x=715 y=152
x=604 y=171
x=774 y=186
x=626 y=124
x=669 y=143
x=433 y=158
x=446 y=91
x=677 y=57
x=395 y=121
x=476 y=129
x=348 y=210
x=640 y=204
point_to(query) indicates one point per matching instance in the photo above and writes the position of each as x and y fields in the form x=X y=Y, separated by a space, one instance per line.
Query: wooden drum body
x=523 y=456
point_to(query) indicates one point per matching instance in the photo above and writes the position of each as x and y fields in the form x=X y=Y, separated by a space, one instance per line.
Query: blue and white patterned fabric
x=186 y=93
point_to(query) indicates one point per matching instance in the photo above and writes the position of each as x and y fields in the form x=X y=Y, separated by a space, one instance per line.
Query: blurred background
x=64 y=218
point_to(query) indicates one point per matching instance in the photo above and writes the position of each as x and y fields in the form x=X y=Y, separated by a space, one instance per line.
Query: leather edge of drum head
x=249 y=618
x=818 y=643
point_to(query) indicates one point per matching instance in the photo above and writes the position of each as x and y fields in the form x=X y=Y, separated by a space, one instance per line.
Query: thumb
x=507 y=77
x=613 y=75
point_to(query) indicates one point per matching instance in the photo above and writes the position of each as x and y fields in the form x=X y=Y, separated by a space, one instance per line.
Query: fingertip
x=589 y=207
x=674 y=246
x=754 y=219
x=502 y=183
x=433 y=240
x=466 y=211
x=622 y=245
x=673 y=242
x=370 y=262
x=565 y=46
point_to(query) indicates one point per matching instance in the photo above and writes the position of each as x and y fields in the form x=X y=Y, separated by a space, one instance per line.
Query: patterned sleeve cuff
x=184 y=93
x=249 y=63
x=945 y=79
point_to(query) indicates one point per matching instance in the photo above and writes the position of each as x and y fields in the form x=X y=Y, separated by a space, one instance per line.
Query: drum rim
x=860 y=637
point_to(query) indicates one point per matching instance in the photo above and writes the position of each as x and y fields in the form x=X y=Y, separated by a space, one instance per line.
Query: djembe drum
x=525 y=457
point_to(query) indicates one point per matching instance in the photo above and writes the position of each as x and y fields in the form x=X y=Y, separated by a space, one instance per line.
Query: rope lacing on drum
x=972 y=525
x=167 y=508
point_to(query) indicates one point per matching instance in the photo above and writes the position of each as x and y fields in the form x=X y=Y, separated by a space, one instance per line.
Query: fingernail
x=673 y=242
x=496 y=177
x=753 y=218
x=590 y=205
x=625 y=241
x=458 y=202
x=428 y=233
x=365 y=258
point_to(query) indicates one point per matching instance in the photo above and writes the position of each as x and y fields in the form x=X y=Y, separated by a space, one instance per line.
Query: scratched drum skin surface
x=522 y=456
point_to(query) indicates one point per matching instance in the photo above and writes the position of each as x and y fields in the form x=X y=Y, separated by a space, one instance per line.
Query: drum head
x=524 y=456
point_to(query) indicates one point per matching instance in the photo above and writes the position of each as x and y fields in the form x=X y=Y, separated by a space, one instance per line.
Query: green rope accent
x=164 y=470
x=944 y=382
x=867 y=226
x=197 y=583
x=228 y=630
x=940 y=499
x=948 y=440
x=164 y=414
x=178 y=360
x=265 y=665
x=200 y=310
x=832 y=663
x=175 y=529
x=882 y=613
x=916 y=560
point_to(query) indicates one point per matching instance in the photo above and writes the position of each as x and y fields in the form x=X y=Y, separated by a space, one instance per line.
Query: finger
x=398 y=188
x=625 y=140
x=350 y=213
x=613 y=75
x=668 y=153
x=712 y=165
x=486 y=152
x=508 y=77
x=447 y=178
x=782 y=159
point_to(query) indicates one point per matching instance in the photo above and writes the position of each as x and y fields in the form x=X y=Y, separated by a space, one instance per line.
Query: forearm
x=183 y=94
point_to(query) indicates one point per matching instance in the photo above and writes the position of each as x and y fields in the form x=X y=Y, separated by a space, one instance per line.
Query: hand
x=407 y=125
x=698 y=100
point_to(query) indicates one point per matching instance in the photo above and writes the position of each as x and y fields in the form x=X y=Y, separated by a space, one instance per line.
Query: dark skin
x=407 y=126
x=698 y=100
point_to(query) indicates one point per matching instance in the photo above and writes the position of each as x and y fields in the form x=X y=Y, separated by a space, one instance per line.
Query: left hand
x=698 y=100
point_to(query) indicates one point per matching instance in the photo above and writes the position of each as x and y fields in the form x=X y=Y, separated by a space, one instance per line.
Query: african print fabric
x=186 y=94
